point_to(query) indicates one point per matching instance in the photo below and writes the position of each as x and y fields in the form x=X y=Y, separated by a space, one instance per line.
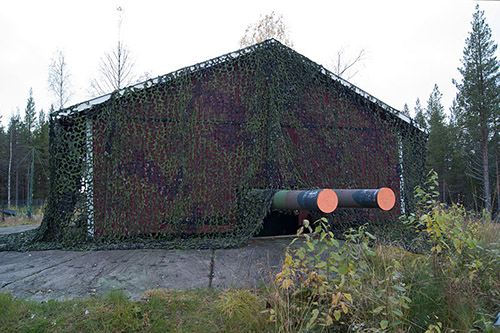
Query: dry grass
x=20 y=219
x=491 y=232
x=160 y=293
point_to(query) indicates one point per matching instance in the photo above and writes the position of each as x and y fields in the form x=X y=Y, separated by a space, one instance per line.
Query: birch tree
x=115 y=71
x=269 y=26
x=59 y=79
x=116 y=68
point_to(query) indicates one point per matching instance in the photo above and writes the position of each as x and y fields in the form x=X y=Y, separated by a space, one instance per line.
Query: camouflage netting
x=176 y=160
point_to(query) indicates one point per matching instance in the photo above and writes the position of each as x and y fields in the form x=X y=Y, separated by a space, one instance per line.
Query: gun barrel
x=382 y=198
x=324 y=200
x=327 y=200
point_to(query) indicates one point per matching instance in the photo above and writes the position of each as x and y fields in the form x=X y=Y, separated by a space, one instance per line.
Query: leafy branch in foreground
x=323 y=284
x=362 y=284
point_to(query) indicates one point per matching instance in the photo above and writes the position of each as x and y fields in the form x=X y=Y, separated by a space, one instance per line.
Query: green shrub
x=327 y=284
x=465 y=259
x=452 y=283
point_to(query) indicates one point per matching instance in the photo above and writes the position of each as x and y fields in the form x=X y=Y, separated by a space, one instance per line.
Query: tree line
x=463 y=146
x=24 y=144
x=24 y=157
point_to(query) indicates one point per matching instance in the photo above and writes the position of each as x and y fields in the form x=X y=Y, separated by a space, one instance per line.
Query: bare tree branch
x=59 y=79
x=345 y=66
x=115 y=71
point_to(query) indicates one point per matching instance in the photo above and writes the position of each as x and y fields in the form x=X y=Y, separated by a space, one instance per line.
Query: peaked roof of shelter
x=89 y=104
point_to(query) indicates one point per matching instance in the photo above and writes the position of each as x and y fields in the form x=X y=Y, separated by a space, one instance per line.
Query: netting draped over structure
x=177 y=158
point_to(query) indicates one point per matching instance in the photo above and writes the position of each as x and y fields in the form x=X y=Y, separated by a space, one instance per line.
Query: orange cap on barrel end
x=327 y=201
x=386 y=198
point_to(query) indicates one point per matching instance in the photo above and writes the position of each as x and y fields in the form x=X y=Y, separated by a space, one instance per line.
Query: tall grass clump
x=452 y=282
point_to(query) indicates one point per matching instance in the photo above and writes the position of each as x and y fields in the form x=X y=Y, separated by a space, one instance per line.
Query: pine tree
x=438 y=143
x=419 y=118
x=478 y=92
x=4 y=160
x=30 y=114
x=41 y=154
x=28 y=140
x=406 y=110
x=17 y=152
x=457 y=177
x=497 y=159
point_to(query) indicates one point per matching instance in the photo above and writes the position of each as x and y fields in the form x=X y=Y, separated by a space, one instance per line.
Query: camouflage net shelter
x=176 y=160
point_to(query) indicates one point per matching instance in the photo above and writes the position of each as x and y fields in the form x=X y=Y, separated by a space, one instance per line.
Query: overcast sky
x=409 y=45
